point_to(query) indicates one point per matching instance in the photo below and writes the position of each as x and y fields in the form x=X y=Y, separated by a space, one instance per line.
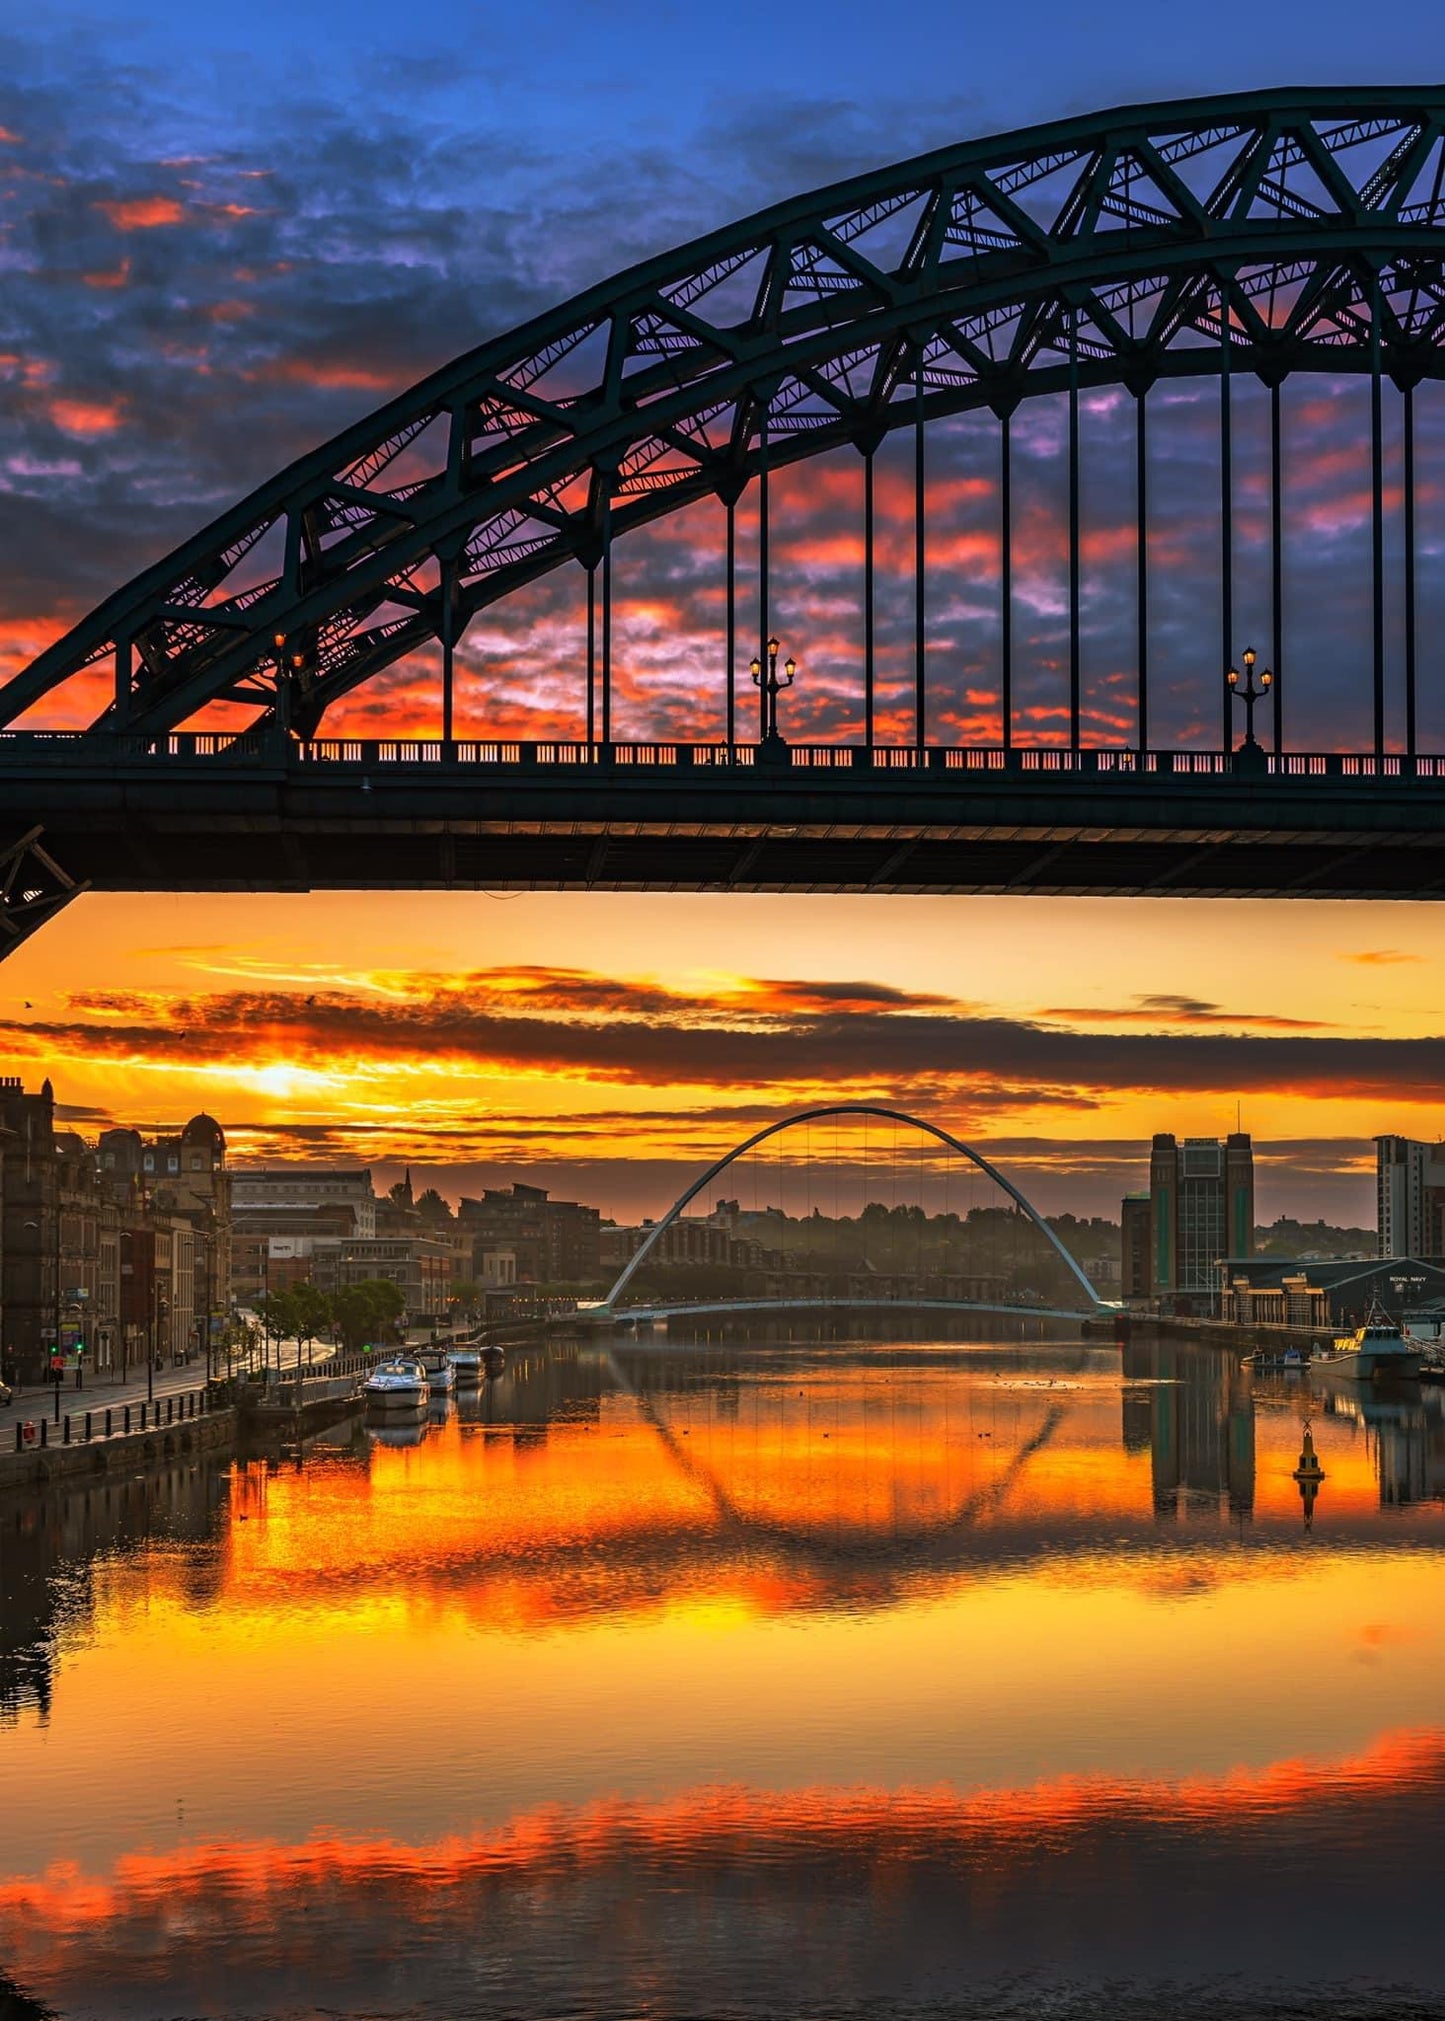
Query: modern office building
x=1201 y=1209
x=1410 y=1197
x=1135 y=1279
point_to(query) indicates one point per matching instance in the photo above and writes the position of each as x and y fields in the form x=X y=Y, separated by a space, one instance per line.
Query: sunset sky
x=218 y=248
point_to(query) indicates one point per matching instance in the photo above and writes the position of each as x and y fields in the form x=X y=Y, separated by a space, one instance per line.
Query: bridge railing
x=266 y=748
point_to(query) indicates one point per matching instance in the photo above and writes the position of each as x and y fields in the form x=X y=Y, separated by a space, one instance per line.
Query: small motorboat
x=440 y=1375
x=493 y=1361
x=397 y=1384
x=1263 y=1360
x=1377 y=1349
x=467 y=1361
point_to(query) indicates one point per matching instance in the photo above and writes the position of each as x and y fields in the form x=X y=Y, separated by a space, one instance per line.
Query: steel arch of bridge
x=1268 y=233
x=934 y=1130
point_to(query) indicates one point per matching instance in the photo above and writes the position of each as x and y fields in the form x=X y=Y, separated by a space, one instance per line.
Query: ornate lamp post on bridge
x=769 y=682
x=1249 y=757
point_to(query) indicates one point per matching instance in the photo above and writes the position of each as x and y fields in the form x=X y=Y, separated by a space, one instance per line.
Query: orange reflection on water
x=696 y=1830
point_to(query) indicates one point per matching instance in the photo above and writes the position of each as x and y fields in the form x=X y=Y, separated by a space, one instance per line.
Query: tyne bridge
x=994 y=478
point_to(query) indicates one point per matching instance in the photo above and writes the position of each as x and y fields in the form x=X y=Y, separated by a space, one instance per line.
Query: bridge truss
x=1264 y=234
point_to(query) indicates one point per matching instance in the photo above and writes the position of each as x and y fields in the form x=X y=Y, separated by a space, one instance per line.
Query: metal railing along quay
x=112 y=1421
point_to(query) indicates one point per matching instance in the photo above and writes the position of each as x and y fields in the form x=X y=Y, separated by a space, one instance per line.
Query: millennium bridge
x=864 y=1291
x=192 y=732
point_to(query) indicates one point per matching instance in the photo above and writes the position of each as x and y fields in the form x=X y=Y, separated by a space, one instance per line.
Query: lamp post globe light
x=1249 y=751
x=769 y=682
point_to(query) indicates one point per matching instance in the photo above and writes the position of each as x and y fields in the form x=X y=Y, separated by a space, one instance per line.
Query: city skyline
x=619 y=1089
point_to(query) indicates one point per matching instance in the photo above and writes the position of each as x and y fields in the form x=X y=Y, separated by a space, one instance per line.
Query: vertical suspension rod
x=591 y=654
x=1276 y=542
x=1141 y=562
x=1409 y=534
x=449 y=625
x=732 y=621
x=763 y=565
x=869 y=663
x=1377 y=521
x=1006 y=578
x=919 y=524
x=1226 y=514
x=607 y=618
x=1074 y=531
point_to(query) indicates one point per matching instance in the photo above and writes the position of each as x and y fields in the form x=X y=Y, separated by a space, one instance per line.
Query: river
x=745 y=1677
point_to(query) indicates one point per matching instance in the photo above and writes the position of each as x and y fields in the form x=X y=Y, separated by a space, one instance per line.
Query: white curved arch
x=847 y=1109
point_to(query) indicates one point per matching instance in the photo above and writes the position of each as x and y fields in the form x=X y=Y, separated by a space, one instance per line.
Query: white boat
x=1378 y=1348
x=440 y=1375
x=397 y=1384
x=467 y=1361
x=399 y=1430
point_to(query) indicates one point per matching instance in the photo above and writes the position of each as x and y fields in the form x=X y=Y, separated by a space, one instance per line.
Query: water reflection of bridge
x=602 y=1480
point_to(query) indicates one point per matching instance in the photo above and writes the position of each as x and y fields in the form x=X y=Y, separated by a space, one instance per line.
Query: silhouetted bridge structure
x=822 y=1307
x=816 y=1297
x=1239 y=241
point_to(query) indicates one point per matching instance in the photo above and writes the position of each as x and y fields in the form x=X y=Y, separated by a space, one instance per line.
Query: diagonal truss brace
x=33 y=888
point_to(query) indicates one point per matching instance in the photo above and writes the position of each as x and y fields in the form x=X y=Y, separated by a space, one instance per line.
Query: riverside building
x=1201 y=1210
x=1410 y=1197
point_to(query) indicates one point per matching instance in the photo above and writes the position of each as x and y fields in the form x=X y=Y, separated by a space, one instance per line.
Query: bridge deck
x=727 y=1308
x=199 y=814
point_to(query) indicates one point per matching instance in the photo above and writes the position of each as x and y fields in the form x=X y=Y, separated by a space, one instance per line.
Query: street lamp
x=1249 y=694
x=768 y=681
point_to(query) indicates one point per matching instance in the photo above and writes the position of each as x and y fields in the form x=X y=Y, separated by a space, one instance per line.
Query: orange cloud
x=85 y=417
x=1381 y=957
x=109 y=277
x=139 y=214
x=323 y=373
x=29 y=371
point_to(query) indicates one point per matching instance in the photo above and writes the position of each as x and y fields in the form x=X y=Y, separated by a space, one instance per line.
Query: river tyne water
x=762 y=1678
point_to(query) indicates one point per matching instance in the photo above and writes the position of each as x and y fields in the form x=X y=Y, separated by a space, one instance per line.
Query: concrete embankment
x=116 y=1440
x=1210 y=1333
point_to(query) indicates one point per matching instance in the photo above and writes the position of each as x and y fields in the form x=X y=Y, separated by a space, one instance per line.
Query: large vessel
x=1378 y=1348
x=397 y=1384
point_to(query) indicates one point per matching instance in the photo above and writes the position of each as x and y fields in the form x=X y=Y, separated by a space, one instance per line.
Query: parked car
x=7 y=1395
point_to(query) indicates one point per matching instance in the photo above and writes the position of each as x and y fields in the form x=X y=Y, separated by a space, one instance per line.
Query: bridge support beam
x=33 y=888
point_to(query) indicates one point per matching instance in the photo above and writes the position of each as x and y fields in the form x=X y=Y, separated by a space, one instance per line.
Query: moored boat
x=467 y=1361
x=493 y=1360
x=1293 y=1358
x=1377 y=1349
x=440 y=1374
x=399 y=1383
